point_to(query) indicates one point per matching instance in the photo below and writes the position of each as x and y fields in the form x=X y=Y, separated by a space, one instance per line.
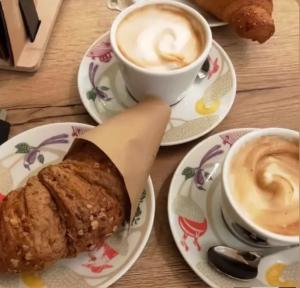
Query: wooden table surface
x=268 y=95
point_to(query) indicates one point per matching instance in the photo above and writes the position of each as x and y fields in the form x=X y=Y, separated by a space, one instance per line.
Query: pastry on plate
x=67 y=208
x=251 y=19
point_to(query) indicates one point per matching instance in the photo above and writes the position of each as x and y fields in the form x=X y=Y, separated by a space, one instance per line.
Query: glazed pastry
x=67 y=208
x=251 y=19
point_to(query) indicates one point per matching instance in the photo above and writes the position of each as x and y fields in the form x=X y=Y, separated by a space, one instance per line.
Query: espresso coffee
x=264 y=180
x=160 y=37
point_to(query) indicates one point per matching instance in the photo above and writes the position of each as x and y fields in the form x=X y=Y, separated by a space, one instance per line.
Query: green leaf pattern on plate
x=91 y=95
x=23 y=148
x=188 y=172
x=138 y=213
x=41 y=158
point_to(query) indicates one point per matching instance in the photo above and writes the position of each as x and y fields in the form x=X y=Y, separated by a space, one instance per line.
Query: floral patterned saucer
x=205 y=105
x=196 y=220
x=23 y=156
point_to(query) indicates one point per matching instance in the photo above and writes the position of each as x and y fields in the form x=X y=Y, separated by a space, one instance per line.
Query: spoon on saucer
x=203 y=73
x=237 y=264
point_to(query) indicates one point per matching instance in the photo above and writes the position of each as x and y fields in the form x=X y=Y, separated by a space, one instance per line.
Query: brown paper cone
x=131 y=140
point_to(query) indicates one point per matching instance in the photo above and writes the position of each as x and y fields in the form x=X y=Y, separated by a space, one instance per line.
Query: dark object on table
x=4 y=49
x=30 y=18
x=4 y=127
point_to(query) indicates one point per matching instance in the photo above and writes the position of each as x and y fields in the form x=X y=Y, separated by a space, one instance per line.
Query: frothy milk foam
x=160 y=37
x=265 y=182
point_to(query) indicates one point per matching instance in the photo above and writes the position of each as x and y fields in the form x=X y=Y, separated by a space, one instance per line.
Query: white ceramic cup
x=167 y=85
x=244 y=228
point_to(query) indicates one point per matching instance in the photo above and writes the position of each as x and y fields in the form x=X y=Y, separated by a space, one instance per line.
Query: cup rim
x=202 y=57
x=225 y=179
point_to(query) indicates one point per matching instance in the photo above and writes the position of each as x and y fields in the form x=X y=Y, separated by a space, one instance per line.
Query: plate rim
x=171 y=143
x=199 y=10
x=145 y=237
x=171 y=188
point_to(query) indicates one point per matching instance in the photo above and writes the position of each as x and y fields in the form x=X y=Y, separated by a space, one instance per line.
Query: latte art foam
x=160 y=37
x=264 y=178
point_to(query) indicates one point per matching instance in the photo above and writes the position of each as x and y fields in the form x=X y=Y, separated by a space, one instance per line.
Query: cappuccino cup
x=260 y=197
x=160 y=46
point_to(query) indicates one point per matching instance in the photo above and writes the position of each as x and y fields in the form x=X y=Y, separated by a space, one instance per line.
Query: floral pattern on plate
x=195 y=215
x=22 y=157
x=206 y=103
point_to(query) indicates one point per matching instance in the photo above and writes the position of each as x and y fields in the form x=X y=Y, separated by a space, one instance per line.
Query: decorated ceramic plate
x=206 y=103
x=23 y=156
x=212 y=21
x=194 y=210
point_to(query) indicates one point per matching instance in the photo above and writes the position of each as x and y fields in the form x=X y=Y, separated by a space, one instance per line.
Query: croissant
x=251 y=19
x=67 y=208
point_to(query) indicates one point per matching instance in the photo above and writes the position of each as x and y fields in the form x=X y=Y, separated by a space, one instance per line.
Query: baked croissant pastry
x=251 y=19
x=67 y=208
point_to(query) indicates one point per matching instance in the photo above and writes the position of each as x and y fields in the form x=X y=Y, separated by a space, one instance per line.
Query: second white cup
x=235 y=217
x=167 y=85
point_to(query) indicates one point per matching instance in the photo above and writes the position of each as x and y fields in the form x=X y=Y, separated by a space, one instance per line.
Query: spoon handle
x=274 y=250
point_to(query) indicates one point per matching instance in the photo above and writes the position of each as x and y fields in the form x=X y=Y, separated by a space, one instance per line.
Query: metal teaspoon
x=241 y=265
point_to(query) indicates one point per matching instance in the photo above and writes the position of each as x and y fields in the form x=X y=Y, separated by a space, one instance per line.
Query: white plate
x=25 y=155
x=206 y=103
x=212 y=21
x=196 y=221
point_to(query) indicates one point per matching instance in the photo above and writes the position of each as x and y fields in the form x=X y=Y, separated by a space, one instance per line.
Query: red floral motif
x=214 y=67
x=109 y=252
x=229 y=139
x=99 y=260
x=76 y=131
x=97 y=269
x=103 y=51
x=1 y=197
x=192 y=229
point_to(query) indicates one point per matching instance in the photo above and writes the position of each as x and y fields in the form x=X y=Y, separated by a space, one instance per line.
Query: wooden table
x=268 y=95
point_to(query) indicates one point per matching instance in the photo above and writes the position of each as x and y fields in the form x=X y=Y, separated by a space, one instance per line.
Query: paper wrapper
x=131 y=140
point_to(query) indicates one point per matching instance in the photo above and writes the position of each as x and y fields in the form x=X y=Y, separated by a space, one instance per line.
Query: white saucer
x=196 y=220
x=206 y=103
x=23 y=156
